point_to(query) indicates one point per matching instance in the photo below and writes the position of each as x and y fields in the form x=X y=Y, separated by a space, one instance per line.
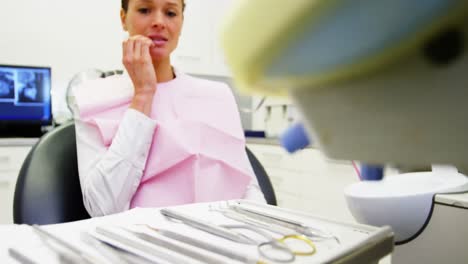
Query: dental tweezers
x=208 y=227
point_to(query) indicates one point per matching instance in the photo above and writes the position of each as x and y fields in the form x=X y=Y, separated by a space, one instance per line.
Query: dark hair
x=125 y=5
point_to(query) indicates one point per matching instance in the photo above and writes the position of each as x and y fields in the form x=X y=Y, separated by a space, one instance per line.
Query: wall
x=69 y=36
x=73 y=36
x=308 y=181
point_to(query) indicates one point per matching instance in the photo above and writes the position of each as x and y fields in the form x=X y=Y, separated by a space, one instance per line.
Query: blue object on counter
x=295 y=138
x=371 y=173
x=254 y=133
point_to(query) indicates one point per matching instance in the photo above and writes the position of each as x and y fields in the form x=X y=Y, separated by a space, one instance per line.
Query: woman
x=157 y=137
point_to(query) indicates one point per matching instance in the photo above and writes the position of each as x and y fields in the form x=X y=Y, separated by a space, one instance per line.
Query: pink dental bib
x=198 y=147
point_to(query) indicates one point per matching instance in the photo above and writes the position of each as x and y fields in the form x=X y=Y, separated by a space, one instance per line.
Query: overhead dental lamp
x=378 y=81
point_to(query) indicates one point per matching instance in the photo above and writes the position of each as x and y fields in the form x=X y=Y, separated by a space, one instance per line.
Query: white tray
x=358 y=243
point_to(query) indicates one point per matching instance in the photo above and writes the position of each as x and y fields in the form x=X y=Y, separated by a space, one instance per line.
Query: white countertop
x=12 y=142
x=457 y=199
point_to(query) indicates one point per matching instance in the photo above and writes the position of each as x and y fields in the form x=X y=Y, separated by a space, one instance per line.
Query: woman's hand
x=137 y=61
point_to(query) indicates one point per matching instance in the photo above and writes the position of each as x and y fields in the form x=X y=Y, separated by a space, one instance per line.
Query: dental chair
x=48 y=188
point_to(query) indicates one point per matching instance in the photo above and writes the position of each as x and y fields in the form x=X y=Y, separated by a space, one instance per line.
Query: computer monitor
x=25 y=101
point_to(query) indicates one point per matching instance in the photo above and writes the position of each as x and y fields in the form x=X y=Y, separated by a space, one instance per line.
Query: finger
x=124 y=52
x=137 y=50
x=145 y=51
x=145 y=44
x=140 y=38
x=129 y=50
x=124 y=44
x=144 y=39
x=150 y=42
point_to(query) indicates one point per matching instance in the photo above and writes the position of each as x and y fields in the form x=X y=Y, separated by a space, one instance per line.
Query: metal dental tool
x=20 y=257
x=113 y=253
x=281 y=221
x=236 y=216
x=83 y=256
x=105 y=250
x=143 y=247
x=267 y=249
x=194 y=254
x=208 y=227
x=271 y=248
x=206 y=246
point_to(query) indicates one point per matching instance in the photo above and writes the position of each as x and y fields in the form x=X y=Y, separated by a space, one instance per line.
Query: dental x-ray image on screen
x=7 y=86
x=30 y=87
x=24 y=97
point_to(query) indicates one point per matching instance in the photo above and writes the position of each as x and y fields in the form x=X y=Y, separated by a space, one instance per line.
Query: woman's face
x=159 y=20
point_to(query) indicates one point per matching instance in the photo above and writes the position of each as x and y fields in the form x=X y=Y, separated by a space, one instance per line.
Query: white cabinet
x=199 y=50
x=307 y=180
x=12 y=156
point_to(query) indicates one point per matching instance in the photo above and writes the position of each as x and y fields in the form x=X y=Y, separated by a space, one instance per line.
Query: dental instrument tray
x=225 y=232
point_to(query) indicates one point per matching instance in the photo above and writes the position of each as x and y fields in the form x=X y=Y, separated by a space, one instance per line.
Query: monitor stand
x=20 y=130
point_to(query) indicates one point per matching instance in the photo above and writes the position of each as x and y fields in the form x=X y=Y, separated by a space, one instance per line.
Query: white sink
x=401 y=201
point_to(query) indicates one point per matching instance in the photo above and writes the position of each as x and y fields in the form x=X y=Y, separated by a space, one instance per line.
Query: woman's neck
x=164 y=71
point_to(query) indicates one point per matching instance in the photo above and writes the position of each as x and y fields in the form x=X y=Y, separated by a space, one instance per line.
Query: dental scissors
x=276 y=249
x=266 y=249
x=269 y=247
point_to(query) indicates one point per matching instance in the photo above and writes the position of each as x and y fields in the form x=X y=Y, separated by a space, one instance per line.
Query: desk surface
x=455 y=199
x=14 y=142
x=359 y=243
